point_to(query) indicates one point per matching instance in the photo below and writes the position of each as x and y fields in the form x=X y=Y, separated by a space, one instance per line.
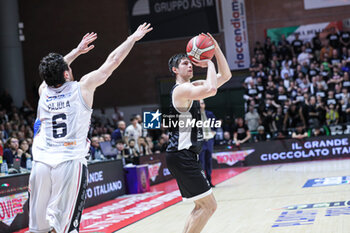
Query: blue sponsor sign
x=305 y=214
x=295 y=218
x=328 y=181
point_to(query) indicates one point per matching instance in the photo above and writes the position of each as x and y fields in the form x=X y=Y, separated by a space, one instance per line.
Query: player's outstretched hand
x=212 y=38
x=83 y=46
x=216 y=45
x=141 y=31
x=201 y=63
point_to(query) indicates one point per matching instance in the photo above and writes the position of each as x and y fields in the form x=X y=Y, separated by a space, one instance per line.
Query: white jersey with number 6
x=65 y=121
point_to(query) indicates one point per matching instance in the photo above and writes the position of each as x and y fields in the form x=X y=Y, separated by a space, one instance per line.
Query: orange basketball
x=200 y=47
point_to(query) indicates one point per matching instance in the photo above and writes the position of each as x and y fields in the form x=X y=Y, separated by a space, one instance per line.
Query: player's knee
x=213 y=207
x=210 y=206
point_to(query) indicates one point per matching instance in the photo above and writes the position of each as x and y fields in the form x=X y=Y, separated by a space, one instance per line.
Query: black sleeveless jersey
x=184 y=134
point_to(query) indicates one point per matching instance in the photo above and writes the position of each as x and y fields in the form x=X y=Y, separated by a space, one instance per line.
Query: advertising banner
x=227 y=159
x=314 y=4
x=327 y=181
x=236 y=34
x=157 y=168
x=174 y=18
x=13 y=202
x=339 y=129
x=306 y=32
x=105 y=182
x=137 y=179
x=294 y=150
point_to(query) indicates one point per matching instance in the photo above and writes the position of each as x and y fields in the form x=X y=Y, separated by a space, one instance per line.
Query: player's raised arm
x=224 y=73
x=199 y=90
x=82 y=48
x=99 y=76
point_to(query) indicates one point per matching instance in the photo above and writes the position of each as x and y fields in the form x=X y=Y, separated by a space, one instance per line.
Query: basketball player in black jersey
x=185 y=142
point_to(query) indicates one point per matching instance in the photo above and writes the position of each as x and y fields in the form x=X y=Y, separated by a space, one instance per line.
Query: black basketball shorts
x=186 y=169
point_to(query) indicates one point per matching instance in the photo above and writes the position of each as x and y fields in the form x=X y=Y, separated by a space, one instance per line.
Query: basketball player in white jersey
x=57 y=184
x=185 y=144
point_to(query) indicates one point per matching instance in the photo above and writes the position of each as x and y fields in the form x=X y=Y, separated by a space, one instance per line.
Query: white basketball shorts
x=57 y=196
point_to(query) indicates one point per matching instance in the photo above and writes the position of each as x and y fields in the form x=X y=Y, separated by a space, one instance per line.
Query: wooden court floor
x=269 y=199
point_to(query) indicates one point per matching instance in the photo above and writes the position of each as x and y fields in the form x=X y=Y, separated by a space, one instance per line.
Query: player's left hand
x=212 y=38
x=83 y=46
x=141 y=31
x=201 y=63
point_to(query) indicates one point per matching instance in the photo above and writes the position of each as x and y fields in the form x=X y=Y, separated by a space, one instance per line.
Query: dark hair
x=133 y=118
x=51 y=69
x=8 y=142
x=131 y=140
x=174 y=61
x=22 y=140
x=120 y=141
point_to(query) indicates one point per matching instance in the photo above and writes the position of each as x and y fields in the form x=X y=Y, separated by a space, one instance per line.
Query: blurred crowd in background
x=299 y=88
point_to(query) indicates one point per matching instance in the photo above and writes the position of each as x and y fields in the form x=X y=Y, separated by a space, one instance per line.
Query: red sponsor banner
x=13 y=202
x=157 y=168
x=11 y=206
x=231 y=157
